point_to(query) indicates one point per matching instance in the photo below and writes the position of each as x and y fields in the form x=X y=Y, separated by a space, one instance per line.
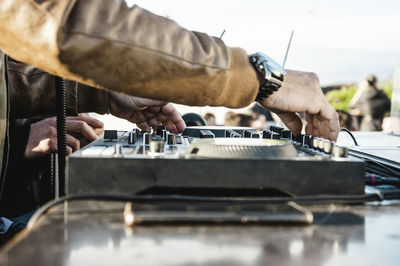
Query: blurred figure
x=259 y=122
x=260 y=116
x=369 y=104
x=210 y=119
x=237 y=120
x=257 y=108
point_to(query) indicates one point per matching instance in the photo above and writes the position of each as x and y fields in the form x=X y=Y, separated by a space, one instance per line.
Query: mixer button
x=159 y=130
x=286 y=134
x=157 y=144
x=328 y=145
x=146 y=138
x=206 y=134
x=320 y=144
x=266 y=134
x=275 y=136
x=171 y=139
x=132 y=137
x=251 y=133
x=307 y=140
x=340 y=152
x=314 y=142
x=110 y=134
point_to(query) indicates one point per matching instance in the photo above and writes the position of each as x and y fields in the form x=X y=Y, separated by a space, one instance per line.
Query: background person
x=369 y=104
x=210 y=119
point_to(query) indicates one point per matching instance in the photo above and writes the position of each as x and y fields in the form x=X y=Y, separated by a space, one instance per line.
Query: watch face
x=273 y=66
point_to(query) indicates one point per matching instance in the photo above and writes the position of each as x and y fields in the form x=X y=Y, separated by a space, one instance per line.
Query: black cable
x=61 y=132
x=156 y=198
x=378 y=168
x=351 y=135
x=377 y=180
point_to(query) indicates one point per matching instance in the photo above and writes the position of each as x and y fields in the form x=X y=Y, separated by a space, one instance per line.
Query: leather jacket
x=31 y=93
x=109 y=45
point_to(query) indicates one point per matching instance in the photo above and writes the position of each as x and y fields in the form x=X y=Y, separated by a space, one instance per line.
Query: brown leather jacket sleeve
x=32 y=93
x=109 y=45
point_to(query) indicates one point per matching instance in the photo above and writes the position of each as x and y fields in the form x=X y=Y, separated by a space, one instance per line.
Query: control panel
x=210 y=159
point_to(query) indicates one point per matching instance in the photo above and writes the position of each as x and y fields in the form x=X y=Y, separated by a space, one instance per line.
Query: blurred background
x=344 y=42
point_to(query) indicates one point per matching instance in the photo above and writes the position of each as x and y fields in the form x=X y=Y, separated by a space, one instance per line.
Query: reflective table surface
x=93 y=233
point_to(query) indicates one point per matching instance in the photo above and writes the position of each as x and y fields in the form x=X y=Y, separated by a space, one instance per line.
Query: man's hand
x=42 y=139
x=301 y=92
x=146 y=113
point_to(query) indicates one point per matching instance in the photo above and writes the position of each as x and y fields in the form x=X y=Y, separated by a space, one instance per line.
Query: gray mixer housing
x=208 y=161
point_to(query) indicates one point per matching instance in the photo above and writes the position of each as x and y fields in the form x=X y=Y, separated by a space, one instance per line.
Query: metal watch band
x=271 y=74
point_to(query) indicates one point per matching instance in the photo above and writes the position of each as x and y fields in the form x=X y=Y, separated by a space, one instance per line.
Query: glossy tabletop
x=93 y=233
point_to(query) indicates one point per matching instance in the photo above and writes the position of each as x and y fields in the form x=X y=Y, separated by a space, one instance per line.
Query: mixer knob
x=286 y=134
x=314 y=142
x=157 y=145
x=159 y=130
x=275 y=136
x=251 y=133
x=328 y=145
x=206 y=134
x=307 y=140
x=266 y=134
x=301 y=139
x=110 y=134
x=298 y=138
x=146 y=138
x=171 y=139
x=279 y=130
x=320 y=144
x=255 y=135
x=272 y=128
x=132 y=137
x=340 y=152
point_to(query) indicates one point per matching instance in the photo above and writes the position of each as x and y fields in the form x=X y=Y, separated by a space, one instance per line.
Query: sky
x=342 y=41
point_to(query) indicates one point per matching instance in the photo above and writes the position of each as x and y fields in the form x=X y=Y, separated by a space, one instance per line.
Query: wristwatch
x=270 y=74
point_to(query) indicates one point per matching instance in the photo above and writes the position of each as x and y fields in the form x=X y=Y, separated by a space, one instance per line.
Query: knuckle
x=76 y=143
x=335 y=115
x=53 y=145
x=314 y=79
x=81 y=124
x=52 y=131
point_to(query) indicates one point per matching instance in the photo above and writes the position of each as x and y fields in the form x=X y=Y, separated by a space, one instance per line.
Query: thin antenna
x=287 y=49
x=222 y=34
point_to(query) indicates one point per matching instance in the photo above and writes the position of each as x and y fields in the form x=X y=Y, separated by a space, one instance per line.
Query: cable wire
x=351 y=135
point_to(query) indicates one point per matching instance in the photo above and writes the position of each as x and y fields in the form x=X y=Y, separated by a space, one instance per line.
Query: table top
x=93 y=233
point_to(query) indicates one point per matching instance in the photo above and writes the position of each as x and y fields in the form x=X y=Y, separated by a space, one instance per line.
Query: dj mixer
x=223 y=161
